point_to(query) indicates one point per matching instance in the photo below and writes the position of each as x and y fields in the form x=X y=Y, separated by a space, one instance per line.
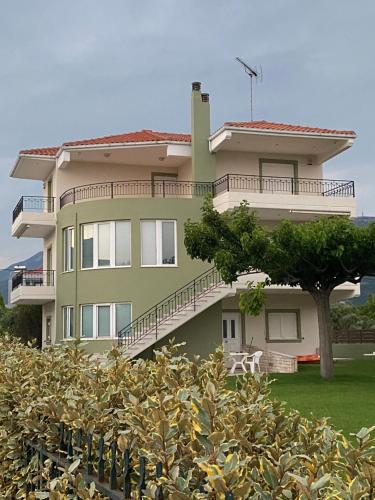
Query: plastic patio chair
x=254 y=360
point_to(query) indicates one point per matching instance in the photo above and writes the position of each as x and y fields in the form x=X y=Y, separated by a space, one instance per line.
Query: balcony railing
x=24 y=277
x=283 y=185
x=187 y=189
x=136 y=188
x=34 y=204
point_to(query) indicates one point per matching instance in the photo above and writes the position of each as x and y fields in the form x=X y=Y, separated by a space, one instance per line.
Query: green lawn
x=348 y=399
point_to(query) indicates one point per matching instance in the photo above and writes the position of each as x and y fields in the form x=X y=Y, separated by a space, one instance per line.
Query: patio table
x=239 y=359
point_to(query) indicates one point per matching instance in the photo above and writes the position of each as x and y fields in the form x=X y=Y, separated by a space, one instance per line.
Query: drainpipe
x=203 y=162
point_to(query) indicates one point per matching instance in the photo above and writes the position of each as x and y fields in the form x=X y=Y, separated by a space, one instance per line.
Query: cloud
x=81 y=69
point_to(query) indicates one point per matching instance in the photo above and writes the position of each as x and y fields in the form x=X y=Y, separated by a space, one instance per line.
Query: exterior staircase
x=173 y=311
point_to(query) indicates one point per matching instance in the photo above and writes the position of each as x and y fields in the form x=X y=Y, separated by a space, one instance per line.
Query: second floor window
x=106 y=244
x=68 y=243
x=159 y=245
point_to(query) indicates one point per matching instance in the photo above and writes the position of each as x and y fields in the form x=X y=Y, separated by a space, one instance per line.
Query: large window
x=283 y=325
x=68 y=322
x=68 y=242
x=104 y=320
x=159 y=247
x=106 y=244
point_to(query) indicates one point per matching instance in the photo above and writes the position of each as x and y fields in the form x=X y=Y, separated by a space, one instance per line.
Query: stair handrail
x=165 y=309
x=168 y=307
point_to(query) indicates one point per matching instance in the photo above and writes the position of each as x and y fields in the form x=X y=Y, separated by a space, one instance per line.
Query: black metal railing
x=34 y=204
x=117 y=474
x=33 y=277
x=153 y=318
x=136 y=188
x=188 y=189
x=283 y=185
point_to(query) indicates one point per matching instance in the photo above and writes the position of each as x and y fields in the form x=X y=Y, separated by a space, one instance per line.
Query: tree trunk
x=321 y=298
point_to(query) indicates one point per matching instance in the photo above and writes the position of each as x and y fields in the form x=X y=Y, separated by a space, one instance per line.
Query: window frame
x=297 y=312
x=112 y=244
x=159 y=242
x=71 y=258
x=70 y=311
x=112 y=320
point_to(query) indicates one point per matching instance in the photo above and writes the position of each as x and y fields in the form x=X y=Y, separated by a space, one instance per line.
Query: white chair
x=254 y=361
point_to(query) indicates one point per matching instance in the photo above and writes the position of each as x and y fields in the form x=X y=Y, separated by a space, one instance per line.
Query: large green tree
x=317 y=256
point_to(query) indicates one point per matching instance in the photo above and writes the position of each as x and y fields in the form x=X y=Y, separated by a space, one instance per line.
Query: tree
x=354 y=317
x=317 y=256
x=23 y=321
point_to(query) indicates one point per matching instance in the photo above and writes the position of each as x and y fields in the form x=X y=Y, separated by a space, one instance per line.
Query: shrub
x=177 y=412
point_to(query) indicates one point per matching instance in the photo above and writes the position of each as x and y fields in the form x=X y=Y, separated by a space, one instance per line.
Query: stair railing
x=150 y=321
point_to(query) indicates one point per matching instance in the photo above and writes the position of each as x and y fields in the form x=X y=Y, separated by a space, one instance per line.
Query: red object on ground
x=308 y=358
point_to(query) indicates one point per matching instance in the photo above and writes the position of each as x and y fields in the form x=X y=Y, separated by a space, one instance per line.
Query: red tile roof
x=40 y=151
x=152 y=136
x=285 y=127
x=140 y=136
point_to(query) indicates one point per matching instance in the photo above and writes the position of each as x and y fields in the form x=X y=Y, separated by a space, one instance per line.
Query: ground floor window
x=283 y=325
x=104 y=320
x=68 y=322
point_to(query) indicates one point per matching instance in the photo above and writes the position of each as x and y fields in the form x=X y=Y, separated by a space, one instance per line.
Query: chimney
x=203 y=162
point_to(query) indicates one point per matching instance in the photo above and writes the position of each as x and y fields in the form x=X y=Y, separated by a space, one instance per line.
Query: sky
x=85 y=68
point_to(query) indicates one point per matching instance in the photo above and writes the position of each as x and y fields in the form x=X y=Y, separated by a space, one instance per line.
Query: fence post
x=101 y=460
x=194 y=295
x=74 y=195
x=113 y=471
x=127 y=471
x=90 y=458
x=227 y=182
x=111 y=189
x=163 y=188
x=159 y=495
x=142 y=477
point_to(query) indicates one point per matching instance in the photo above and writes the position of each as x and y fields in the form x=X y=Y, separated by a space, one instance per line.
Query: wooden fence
x=353 y=336
x=116 y=475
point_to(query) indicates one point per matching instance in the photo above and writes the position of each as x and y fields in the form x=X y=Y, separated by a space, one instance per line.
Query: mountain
x=34 y=262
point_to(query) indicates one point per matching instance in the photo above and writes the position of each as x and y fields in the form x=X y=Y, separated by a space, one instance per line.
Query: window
x=106 y=244
x=158 y=242
x=283 y=325
x=68 y=242
x=104 y=320
x=68 y=322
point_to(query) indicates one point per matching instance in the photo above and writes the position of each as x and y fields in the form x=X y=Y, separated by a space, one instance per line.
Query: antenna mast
x=252 y=73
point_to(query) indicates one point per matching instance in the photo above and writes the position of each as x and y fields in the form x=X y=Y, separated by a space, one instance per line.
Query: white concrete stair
x=177 y=318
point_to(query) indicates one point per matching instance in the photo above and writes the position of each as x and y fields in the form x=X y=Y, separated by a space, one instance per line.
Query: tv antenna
x=253 y=73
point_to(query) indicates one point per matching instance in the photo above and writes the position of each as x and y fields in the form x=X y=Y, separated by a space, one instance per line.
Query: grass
x=348 y=399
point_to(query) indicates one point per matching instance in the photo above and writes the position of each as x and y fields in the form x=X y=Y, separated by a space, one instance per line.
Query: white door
x=232 y=332
x=278 y=178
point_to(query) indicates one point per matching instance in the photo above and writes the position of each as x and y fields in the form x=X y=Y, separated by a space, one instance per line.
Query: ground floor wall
x=254 y=327
x=202 y=335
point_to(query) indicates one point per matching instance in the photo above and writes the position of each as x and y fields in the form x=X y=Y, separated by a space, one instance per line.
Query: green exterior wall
x=143 y=287
x=202 y=334
x=203 y=162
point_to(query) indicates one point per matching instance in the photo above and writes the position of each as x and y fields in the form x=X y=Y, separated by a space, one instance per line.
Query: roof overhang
x=320 y=146
x=141 y=153
x=35 y=167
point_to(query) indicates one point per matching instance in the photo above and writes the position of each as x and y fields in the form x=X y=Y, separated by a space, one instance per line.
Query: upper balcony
x=136 y=189
x=273 y=198
x=32 y=287
x=34 y=217
x=277 y=198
